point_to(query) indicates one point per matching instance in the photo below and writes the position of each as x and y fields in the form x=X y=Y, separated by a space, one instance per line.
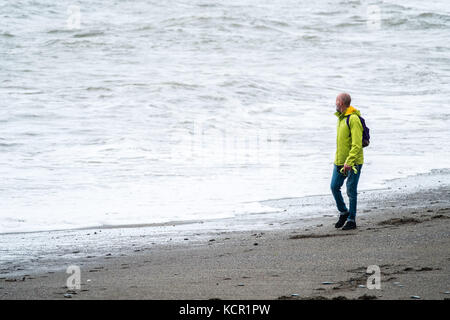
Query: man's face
x=339 y=104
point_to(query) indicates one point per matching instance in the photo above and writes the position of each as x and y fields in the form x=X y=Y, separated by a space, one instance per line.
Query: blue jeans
x=352 y=185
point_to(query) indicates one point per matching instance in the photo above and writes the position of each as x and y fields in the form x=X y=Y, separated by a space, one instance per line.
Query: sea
x=116 y=113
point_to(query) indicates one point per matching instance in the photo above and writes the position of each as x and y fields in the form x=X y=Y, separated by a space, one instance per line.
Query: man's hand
x=347 y=168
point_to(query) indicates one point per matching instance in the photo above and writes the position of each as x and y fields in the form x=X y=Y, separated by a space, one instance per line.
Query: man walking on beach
x=348 y=161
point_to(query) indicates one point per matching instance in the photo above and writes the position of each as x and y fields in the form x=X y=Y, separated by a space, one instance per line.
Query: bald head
x=343 y=101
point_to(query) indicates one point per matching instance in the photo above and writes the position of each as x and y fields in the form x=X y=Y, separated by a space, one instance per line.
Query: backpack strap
x=348 y=124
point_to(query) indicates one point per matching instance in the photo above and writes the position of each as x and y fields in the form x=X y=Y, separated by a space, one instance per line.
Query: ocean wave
x=329 y=13
x=85 y=43
x=422 y=21
x=175 y=84
x=233 y=21
x=63 y=31
x=97 y=89
x=89 y=34
x=28 y=115
x=9 y=145
x=6 y=34
x=146 y=27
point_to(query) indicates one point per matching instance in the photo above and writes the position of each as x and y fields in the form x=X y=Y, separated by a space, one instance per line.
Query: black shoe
x=350 y=225
x=341 y=221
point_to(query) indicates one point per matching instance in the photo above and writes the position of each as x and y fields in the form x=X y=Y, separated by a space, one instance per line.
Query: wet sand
x=407 y=235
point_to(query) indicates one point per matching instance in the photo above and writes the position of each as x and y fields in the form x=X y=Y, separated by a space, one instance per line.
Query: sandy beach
x=405 y=233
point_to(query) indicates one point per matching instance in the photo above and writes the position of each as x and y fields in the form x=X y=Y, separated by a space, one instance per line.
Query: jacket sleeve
x=356 y=130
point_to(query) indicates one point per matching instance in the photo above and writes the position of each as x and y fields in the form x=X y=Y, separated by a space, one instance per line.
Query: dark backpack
x=365 y=135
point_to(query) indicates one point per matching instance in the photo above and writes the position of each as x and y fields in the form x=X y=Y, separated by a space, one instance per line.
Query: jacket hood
x=350 y=110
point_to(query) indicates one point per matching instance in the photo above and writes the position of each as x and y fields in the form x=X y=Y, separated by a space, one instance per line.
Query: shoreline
x=406 y=230
x=388 y=185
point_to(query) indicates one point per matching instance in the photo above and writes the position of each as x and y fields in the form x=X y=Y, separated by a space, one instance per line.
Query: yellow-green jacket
x=349 y=147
